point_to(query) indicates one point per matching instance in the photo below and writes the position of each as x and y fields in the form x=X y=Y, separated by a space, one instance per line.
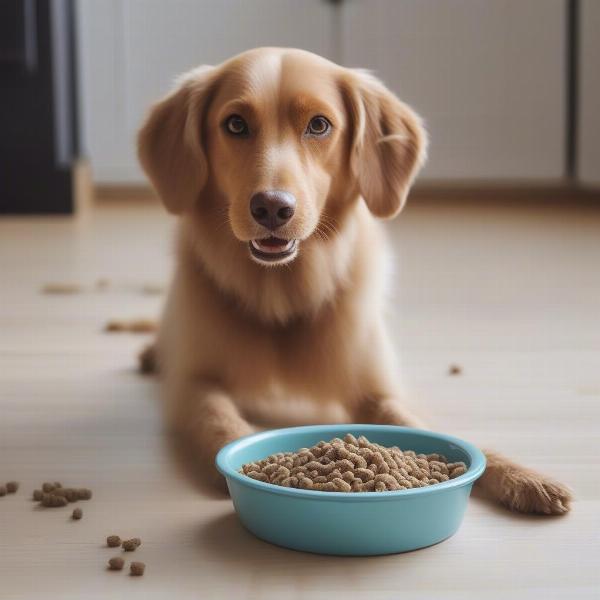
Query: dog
x=280 y=165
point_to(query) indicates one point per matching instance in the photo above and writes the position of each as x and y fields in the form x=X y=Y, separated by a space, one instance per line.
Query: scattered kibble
x=37 y=495
x=57 y=484
x=137 y=568
x=48 y=487
x=129 y=545
x=353 y=465
x=136 y=541
x=62 y=288
x=12 y=487
x=113 y=541
x=84 y=493
x=77 y=514
x=454 y=370
x=53 y=501
x=133 y=326
x=2 y=490
x=116 y=563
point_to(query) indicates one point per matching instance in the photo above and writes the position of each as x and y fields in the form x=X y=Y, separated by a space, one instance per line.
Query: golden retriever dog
x=279 y=164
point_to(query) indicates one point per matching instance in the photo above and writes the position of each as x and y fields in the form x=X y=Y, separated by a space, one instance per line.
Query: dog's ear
x=388 y=144
x=170 y=141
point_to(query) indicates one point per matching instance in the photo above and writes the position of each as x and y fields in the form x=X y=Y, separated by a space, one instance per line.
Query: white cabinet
x=489 y=78
x=588 y=126
x=131 y=51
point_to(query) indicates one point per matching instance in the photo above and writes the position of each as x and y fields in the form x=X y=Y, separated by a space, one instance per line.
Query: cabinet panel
x=488 y=77
x=131 y=51
x=588 y=151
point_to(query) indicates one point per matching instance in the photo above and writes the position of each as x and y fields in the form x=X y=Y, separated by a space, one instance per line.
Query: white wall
x=588 y=150
x=487 y=75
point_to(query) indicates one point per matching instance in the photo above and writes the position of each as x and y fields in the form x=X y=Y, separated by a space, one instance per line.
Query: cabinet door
x=488 y=77
x=588 y=128
x=132 y=50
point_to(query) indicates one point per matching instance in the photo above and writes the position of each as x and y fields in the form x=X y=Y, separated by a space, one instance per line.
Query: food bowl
x=347 y=523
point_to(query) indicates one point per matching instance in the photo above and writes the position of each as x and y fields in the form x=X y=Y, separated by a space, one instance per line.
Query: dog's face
x=281 y=139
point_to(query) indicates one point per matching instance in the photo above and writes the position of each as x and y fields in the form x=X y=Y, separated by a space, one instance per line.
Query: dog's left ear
x=388 y=144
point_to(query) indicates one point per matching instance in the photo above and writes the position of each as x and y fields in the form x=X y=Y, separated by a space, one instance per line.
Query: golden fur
x=236 y=334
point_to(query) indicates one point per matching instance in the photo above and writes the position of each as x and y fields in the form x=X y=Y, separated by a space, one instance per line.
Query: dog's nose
x=272 y=209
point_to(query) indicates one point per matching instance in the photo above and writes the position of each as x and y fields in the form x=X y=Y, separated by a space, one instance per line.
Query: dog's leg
x=521 y=489
x=207 y=421
x=383 y=410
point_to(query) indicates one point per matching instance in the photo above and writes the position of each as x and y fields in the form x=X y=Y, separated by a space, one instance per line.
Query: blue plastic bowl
x=357 y=524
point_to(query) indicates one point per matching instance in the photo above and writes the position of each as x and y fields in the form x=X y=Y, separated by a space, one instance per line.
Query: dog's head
x=281 y=141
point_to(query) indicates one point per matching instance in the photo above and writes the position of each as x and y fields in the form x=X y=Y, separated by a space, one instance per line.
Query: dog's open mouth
x=273 y=250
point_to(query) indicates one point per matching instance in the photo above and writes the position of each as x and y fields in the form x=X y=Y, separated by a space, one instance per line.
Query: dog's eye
x=235 y=125
x=318 y=126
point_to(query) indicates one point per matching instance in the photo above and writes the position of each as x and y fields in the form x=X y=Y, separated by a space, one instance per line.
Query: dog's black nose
x=272 y=209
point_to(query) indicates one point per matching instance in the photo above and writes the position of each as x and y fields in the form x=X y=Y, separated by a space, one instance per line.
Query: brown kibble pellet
x=2 y=490
x=37 y=495
x=52 y=501
x=84 y=493
x=12 y=487
x=137 y=542
x=116 y=563
x=129 y=545
x=57 y=484
x=71 y=495
x=454 y=370
x=77 y=514
x=113 y=541
x=137 y=568
x=47 y=487
x=353 y=465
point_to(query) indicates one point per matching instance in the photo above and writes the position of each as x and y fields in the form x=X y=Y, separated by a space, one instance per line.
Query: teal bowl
x=353 y=524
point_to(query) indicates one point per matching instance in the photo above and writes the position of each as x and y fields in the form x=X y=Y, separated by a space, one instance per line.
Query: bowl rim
x=474 y=471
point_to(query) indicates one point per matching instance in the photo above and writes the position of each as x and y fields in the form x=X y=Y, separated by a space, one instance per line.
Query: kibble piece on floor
x=77 y=514
x=12 y=487
x=52 y=501
x=47 y=487
x=137 y=568
x=71 y=495
x=129 y=545
x=137 y=542
x=113 y=541
x=116 y=563
x=2 y=490
x=84 y=493
x=57 y=484
x=37 y=495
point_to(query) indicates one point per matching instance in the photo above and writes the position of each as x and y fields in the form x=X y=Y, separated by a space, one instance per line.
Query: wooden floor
x=509 y=292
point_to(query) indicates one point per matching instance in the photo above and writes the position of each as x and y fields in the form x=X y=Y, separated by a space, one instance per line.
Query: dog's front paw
x=530 y=492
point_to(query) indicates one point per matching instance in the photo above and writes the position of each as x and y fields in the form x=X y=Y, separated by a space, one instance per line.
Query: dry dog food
x=353 y=465
x=131 y=545
x=116 y=563
x=2 y=490
x=12 y=487
x=113 y=541
x=137 y=568
x=454 y=370
x=54 y=494
x=77 y=514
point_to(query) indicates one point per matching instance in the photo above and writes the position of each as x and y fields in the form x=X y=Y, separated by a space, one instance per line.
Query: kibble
x=12 y=487
x=84 y=493
x=2 y=490
x=113 y=541
x=353 y=465
x=77 y=514
x=130 y=545
x=53 y=501
x=37 y=495
x=116 y=563
x=48 y=487
x=137 y=568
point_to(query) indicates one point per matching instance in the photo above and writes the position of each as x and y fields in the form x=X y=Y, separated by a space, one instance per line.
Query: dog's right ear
x=170 y=144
